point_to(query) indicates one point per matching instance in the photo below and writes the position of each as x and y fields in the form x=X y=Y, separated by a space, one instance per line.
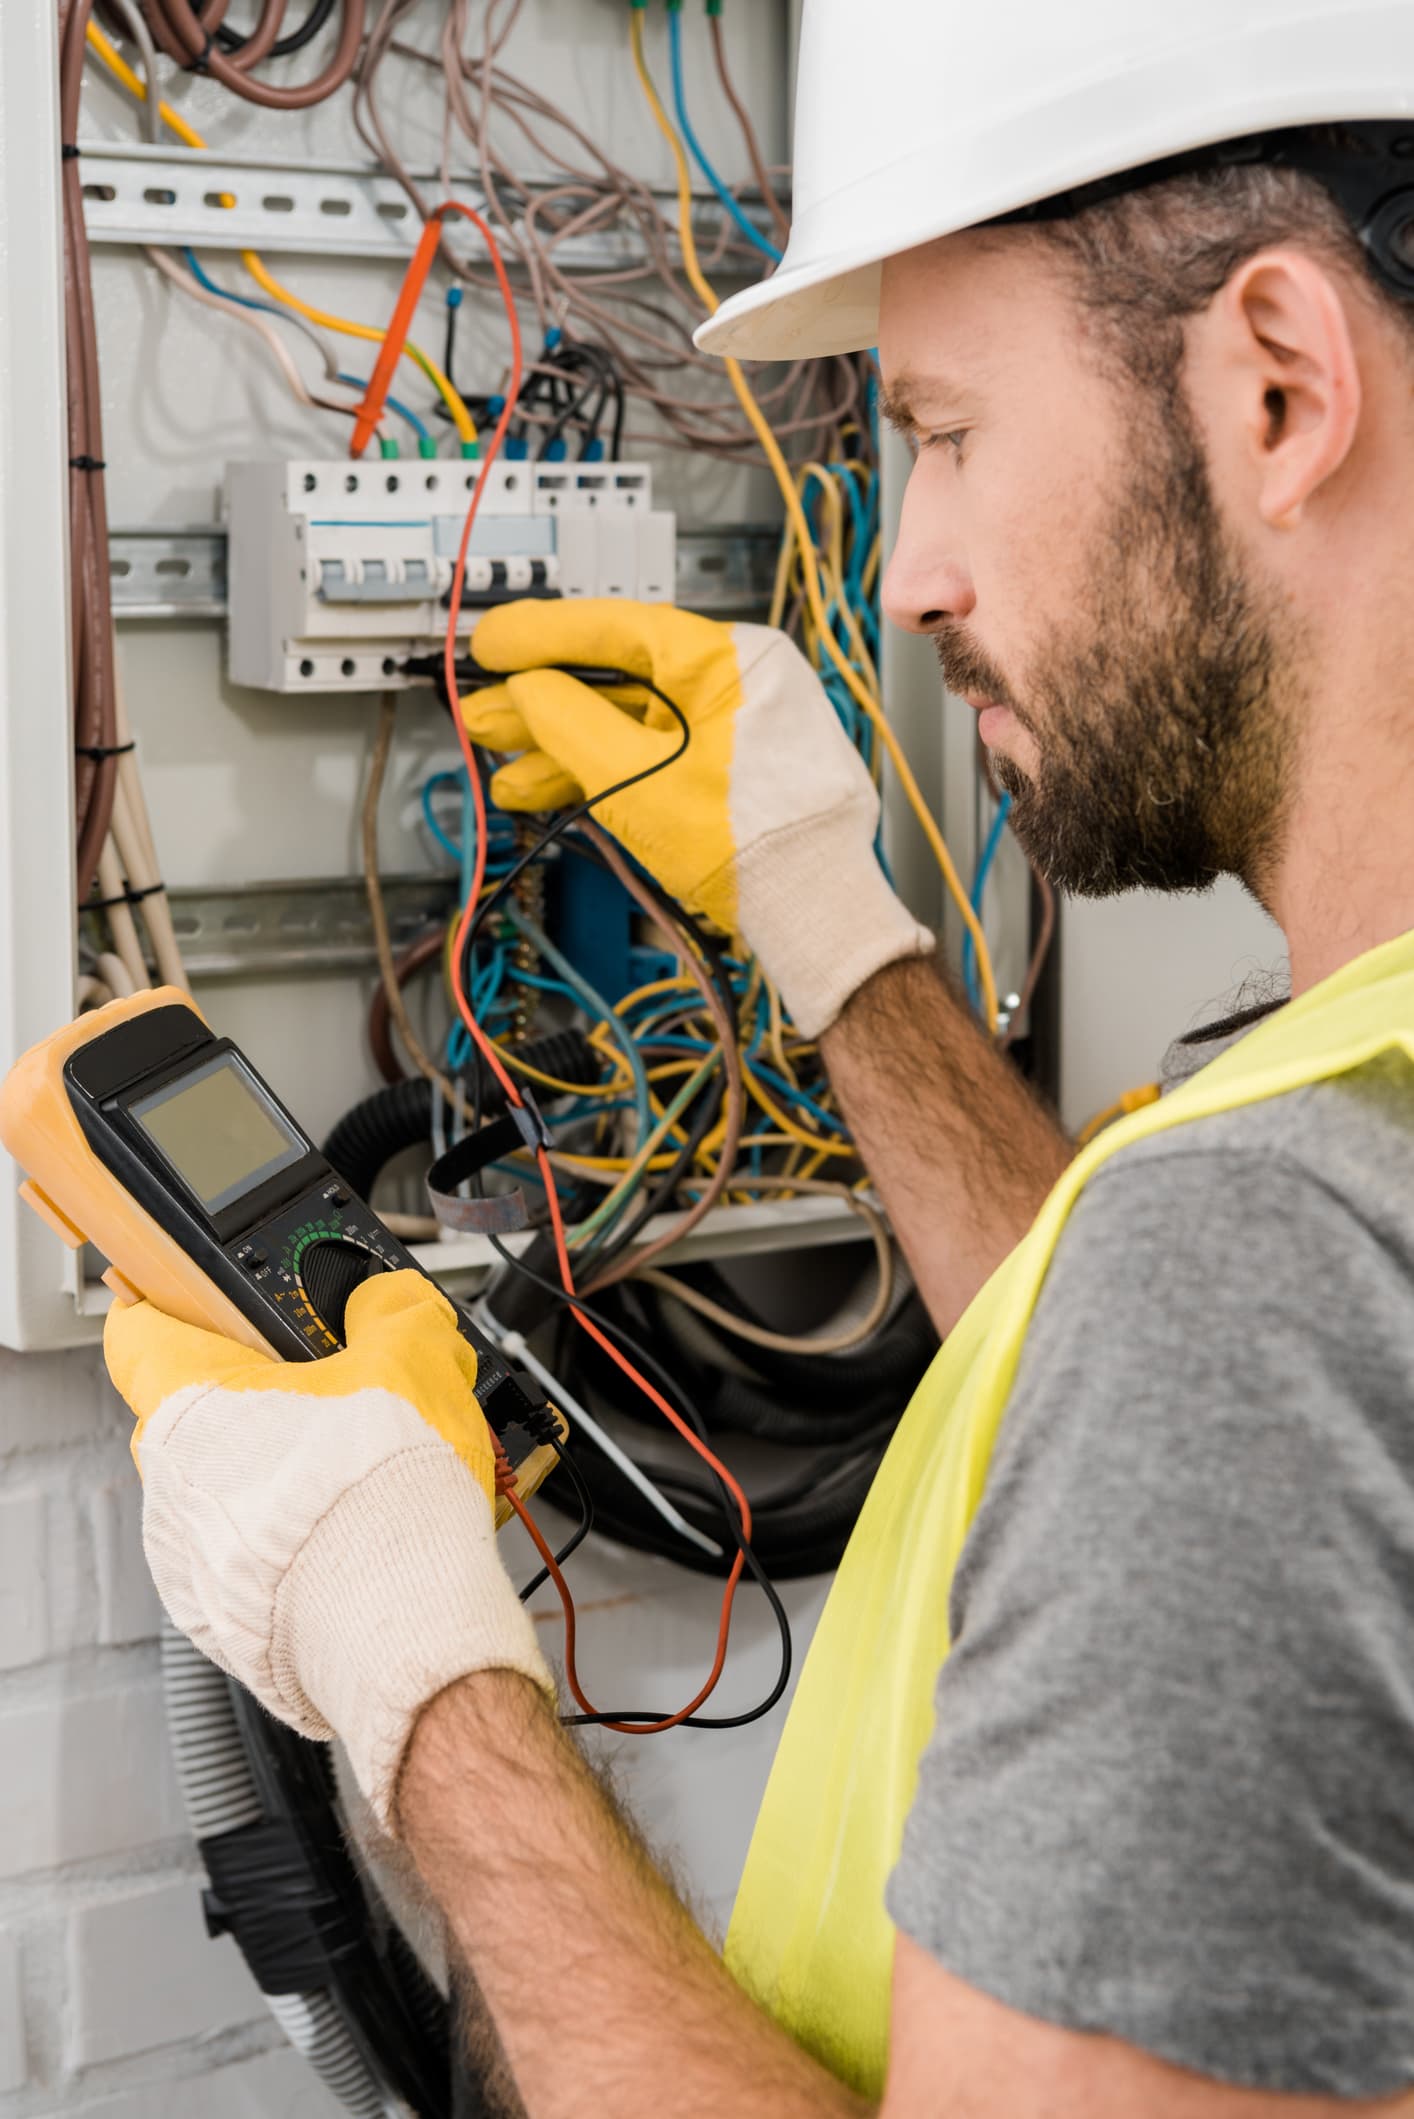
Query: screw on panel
x=351 y=482
x=306 y=668
x=347 y=666
x=310 y=481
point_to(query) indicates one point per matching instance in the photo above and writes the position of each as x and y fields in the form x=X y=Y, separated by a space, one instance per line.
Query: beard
x=1164 y=754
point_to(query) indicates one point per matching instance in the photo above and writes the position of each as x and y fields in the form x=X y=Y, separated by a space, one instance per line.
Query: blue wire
x=466 y=851
x=247 y=301
x=542 y=985
x=768 y=1075
x=447 y=845
x=752 y=233
x=600 y=1010
x=394 y=404
x=979 y=887
x=783 y=1089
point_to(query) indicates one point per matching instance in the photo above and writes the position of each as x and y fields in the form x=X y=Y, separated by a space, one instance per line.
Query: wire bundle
x=705 y=1092
x=94 y=704
x=639 y=313
x=193 y=37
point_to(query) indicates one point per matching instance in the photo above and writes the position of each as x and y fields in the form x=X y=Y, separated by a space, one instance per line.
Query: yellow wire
x=783 y=572
x=772 y=450
x=611 y=1162
x=1132 y=1100
x=136 y=86
x=776 y=1027
x=175 y=122
x=788 y=1125
x=549 y=1081
x=445 y=389
x=680 y=983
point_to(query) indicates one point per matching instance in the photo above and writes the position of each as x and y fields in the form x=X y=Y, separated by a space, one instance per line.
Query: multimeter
x=145 y=1134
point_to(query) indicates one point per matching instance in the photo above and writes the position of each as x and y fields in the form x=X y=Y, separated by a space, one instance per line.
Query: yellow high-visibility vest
x=810 y=1939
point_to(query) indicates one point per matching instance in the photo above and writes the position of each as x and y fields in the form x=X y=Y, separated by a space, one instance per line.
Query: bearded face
x=1159 y=753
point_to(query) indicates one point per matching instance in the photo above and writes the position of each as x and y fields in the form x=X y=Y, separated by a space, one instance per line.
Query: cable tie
x=87 y=463
x=529 y=1123
x=105 y=750
x=70 y=151
x=198 y=64
x=123 y=897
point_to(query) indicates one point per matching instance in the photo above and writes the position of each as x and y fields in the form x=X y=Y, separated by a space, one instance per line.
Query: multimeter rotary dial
x=329 y=1271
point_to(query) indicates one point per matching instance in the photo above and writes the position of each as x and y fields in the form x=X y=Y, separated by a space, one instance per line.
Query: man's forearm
x=605 y=1994
x=960 y=1148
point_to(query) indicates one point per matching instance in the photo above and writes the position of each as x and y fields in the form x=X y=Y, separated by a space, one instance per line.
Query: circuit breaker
x=339 y=570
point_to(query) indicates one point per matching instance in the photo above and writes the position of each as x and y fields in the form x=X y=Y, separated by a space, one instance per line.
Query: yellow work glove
x=324 y=1530
x=765 y=825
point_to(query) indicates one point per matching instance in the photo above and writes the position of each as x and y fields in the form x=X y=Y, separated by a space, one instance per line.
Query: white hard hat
x=915 y=118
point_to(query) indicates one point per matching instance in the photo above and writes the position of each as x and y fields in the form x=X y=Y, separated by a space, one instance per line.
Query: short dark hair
x=1150 y=258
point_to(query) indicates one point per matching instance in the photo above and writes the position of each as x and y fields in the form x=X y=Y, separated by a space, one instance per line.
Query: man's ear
x=1284 y=327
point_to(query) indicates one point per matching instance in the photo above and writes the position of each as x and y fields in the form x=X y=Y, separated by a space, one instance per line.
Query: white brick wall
x=143 y=1972
x=114 y=2004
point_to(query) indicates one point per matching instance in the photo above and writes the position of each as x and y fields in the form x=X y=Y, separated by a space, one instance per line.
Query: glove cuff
x=397 y=1593
x=822 y=917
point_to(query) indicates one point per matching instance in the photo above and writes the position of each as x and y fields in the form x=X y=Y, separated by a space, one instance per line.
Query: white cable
x=127 y=949
x=513 y=1346
x=150 y=112
x=132 y=830
x=115 y=974
x=234 y=314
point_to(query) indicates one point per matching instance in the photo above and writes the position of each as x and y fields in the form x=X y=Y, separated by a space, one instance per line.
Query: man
x=1149 y=1840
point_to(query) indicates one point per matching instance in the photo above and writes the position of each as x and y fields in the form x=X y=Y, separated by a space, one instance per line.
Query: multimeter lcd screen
x=221 y=1135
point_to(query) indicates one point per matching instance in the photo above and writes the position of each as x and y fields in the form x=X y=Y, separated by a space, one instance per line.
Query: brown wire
x=1039 y=954
x=190 y=40
x=716 y=1185
x=94 y=709
x=613 y=305
x=1041 y=947
x=427 y=949
x=748 y=130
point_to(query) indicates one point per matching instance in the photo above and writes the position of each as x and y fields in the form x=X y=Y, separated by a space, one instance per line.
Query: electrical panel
x=339 y=571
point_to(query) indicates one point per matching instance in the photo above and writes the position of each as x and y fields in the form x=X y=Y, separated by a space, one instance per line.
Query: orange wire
x=370 y=412
x=418 y=268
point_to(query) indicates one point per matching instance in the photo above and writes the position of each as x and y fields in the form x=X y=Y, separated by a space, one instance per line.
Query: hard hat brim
x=824 y=297
x=796 y=314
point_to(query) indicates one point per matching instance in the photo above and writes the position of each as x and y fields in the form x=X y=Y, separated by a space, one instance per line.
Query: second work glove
x=325 y=1530
x=765 y=825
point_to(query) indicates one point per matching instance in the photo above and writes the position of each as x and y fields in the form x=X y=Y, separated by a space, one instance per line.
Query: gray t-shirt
x=1170 y=1789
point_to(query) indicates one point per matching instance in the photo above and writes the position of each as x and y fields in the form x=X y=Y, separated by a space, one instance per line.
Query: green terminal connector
x=388 y=448
x=427 y=446
x=471 y=450
x=714 y=7
x=639 y=7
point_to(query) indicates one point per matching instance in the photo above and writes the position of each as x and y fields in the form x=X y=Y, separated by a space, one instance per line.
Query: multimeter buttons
x=329 y=1270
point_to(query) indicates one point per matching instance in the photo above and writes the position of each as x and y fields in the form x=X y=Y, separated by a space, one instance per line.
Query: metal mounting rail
x=161 y=573
x=139 y=194
x=255 y=930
